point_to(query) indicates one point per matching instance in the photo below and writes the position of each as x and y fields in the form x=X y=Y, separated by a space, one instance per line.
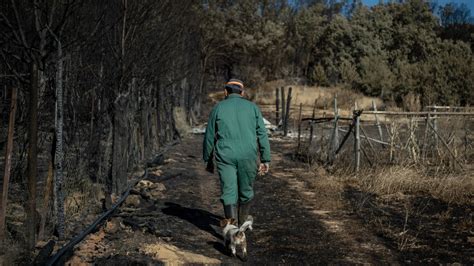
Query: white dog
x=235 y=236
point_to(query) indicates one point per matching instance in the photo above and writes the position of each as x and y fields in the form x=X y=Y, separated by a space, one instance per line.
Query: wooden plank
x=420 y=113
x=326 y=119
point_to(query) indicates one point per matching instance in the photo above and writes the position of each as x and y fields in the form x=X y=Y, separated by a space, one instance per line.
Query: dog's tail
x=247 y=225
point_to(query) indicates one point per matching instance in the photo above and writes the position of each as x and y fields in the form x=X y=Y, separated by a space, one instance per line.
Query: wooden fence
x=439 y=136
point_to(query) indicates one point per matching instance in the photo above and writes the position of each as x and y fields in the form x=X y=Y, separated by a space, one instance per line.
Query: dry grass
x=411 y=208
x=172 y=255
x=182 y=125
x=12 y=252
x=306 y=95
x=265 y=97
x=390 y=180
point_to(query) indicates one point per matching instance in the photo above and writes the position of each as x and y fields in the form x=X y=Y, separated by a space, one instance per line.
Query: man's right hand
x=263 y=168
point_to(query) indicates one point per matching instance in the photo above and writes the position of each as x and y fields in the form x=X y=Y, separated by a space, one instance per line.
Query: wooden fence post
x=322 y=142
x=283 y=107
x=299 y=128
x=425 y=138
x=336 y=125
x=412 y=140
x=287 y=113
x=277 y=104
x=393 y=131
x=466 y=141
x=335 y=134
x=435 y=128
x=357 y=143
x=311 y=128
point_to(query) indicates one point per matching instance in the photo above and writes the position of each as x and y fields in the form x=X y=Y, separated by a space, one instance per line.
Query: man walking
x=235 y=134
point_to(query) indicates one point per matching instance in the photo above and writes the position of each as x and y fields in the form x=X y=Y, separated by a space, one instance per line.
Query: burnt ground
x=301 y=217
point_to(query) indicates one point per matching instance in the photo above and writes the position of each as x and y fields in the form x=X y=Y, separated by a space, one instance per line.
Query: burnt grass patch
x=422 y=228
x=284 y=230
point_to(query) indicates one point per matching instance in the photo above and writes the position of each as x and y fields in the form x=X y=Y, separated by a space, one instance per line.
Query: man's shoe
x=244 y=211
x=230 y=211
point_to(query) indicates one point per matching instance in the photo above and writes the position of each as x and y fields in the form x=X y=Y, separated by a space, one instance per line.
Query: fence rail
x=433 y=137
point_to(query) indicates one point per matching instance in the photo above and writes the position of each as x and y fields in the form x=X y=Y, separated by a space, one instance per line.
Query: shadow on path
x=202 y=219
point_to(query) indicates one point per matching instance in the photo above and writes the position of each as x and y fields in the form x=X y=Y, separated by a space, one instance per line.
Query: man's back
x=238 y=129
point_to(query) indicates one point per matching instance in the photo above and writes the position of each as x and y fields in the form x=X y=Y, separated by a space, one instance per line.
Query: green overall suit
x=235 y=131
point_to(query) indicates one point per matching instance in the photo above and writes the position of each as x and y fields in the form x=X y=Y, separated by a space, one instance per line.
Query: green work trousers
x=237 y=178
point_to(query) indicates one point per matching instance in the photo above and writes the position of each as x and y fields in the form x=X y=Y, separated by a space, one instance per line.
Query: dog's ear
x=224 y=222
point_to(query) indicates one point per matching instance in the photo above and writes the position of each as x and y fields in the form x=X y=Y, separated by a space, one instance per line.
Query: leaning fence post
x=287 y=113
x=357 y=142
x=277 y=105
x=377 y=122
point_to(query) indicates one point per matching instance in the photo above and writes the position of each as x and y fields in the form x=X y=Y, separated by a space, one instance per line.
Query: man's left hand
x=263 y=168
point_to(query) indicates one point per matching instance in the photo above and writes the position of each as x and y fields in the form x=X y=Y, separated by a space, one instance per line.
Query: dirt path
x=300 y=218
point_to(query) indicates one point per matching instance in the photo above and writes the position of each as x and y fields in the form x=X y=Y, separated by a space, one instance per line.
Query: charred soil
x=302 y=216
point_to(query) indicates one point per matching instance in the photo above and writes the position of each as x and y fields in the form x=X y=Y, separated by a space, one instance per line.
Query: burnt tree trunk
x=32 y=157
x=8 y=160
x=109 y=180
x=59 y=153
x=120 y=145
x=48 y=191
x=159 y=112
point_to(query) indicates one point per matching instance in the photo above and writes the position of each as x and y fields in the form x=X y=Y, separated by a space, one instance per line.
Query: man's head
x=234 y=86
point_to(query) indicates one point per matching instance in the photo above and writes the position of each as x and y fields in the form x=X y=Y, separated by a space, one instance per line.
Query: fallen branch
x=374 y=140
x=446 y=145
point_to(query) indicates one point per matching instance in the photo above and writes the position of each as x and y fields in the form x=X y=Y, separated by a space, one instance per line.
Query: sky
x=469 y=3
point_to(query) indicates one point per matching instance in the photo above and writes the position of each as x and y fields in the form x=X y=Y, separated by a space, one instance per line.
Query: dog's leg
x=232 y=247
x=244 y=250
x=226 y=243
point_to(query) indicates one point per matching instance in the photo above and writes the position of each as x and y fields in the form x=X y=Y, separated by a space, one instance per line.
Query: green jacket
x=235 y=129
